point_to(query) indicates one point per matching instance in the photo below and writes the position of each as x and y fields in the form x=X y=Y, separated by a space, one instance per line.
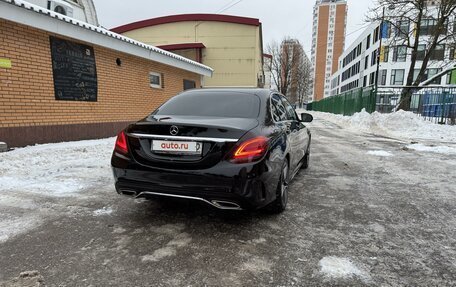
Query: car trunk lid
x=214 y=137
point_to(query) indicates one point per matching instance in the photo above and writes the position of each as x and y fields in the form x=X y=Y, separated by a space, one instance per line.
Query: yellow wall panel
x=233 y=50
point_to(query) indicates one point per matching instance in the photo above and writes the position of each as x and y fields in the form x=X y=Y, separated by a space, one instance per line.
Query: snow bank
x=32 y=175
x=56 y=169
x=400 y=124
x=436 y=149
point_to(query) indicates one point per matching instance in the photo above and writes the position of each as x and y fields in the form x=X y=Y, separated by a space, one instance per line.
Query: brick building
x=63 y=79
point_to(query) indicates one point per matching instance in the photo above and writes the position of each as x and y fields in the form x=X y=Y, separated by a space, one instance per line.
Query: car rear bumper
x=225 y=186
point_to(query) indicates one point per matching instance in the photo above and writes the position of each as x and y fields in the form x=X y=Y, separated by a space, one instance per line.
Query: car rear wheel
x=306 y=161
x=280 y=204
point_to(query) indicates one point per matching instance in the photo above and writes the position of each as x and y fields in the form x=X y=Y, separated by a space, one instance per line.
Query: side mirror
x=306 y=118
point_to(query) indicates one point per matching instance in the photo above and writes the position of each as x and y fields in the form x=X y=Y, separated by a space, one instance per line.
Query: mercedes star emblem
x=174 y=130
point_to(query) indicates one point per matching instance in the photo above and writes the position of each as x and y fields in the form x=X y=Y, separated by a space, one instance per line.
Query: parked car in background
x=231 y=148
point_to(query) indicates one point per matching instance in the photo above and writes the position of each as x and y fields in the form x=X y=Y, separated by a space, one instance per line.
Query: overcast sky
x=280 y=18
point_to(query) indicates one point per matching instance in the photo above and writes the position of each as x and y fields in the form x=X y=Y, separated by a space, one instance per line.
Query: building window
x=374 y=58
x=383 y=75
x=429 y=73
x=376 y=35
x=400 y=54
x=397 y=77
x=421 y=52
x=403 y=29
x=368 y=42
x=188 y=84
x=429 y=27
x=385 y=54
x=366 y=62
x=156 y=80
x=438 y=54
x=372 y=78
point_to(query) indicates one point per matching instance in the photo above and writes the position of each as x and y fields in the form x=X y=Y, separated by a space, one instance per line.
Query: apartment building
x=328 y=41
x=358 y=64
x=294 y=68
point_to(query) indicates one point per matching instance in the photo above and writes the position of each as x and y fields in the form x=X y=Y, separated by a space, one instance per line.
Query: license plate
x=177 y=147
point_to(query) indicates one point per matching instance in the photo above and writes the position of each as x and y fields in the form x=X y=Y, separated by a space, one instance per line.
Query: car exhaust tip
x=128 y=192
x=227 y=205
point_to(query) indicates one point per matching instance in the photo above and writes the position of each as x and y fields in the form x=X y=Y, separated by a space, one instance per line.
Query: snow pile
x=11 y=226
x=436 y=149
x=103 y=211
x=56 y=169
x=341 y=268
x=32 y=175
x=381 y=153
x=400 y=124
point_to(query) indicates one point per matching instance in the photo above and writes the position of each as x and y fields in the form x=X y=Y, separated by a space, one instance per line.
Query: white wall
x=80 y=12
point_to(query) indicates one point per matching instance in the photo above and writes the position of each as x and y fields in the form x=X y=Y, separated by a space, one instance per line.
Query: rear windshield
x=212 y=104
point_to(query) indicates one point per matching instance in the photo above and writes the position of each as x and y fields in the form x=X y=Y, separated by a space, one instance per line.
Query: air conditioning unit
x=60 y=7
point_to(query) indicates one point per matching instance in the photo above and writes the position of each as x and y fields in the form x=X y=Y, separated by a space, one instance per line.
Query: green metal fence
x=348 y=103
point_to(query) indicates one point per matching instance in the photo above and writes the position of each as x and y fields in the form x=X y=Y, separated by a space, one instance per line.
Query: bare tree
x=304 y=83
x=290 y=69
x=407 y=19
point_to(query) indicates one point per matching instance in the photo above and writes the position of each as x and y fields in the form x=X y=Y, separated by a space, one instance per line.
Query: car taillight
x=250 y=150
x=121 y=143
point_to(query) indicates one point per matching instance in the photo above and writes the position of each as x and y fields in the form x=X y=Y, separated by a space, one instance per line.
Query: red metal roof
x=184 y=18
x=182 y=46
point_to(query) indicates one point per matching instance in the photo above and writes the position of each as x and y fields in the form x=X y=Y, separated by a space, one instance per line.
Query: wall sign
x=74 y=69
x=5 y=63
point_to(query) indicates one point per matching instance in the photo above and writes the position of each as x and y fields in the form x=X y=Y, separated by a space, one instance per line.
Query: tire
x=306 y=158
x=280 y=204
x=305 y=161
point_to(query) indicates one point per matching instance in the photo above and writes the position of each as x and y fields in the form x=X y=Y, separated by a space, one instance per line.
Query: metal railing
x=436 y=103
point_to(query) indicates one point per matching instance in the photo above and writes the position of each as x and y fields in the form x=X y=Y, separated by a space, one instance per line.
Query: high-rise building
x=328 y=40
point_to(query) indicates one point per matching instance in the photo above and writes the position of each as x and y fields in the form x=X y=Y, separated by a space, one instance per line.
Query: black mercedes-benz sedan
x=231 y=148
